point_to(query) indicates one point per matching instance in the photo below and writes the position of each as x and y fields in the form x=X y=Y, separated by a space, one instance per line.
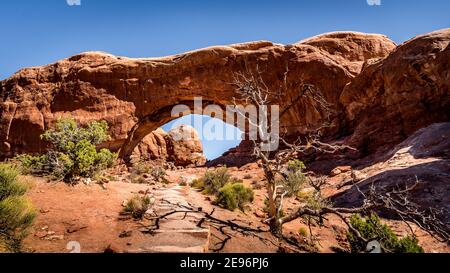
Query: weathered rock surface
x=395 y=96
x=424 y=156
x=184 y=147
x=181 y=146
x=177 y=233
x=152 y=147
x=136 y=96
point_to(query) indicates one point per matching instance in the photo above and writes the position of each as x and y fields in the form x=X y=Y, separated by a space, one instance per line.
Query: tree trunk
x=276 y=228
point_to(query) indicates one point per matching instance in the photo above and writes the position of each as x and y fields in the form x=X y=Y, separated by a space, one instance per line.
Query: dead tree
x=250 y=87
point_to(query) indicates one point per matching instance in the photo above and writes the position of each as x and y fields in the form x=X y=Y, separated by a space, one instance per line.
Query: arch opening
x=216 y=136
x=192 y=140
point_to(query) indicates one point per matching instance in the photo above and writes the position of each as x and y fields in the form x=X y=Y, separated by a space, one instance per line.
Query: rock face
x=152 y=147
x=181 y=146
x=366 y=78
x=425 y=155
x=136 y=96
x=395 y=96
x=184 y=147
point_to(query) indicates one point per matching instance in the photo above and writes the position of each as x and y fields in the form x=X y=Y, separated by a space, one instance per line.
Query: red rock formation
x=184 y=147
x=126 y=92
x=397 y=95
x=408 y=88
x=181 y=146
x=425 y=156
x=152 y=147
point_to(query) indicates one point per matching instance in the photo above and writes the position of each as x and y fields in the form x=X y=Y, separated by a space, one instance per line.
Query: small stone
x=335 y=172
x=345 y=169
x=44 y=211
x=126 y=234
x=74 y=229
x=41 y=234
x=87 y=181
x=260 y=214
x=55 y=238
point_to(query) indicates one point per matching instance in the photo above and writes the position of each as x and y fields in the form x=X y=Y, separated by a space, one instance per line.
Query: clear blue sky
x=37 y=32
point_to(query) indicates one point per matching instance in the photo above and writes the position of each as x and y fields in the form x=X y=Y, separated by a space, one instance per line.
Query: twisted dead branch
x=250 y=87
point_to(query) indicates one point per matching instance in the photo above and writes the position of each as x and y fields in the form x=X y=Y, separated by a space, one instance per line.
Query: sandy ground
x=88 y=216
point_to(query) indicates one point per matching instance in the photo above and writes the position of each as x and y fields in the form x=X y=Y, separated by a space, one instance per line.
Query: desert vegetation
x=370 y=226
x=137 y=206
x=230 y=192
x=16 y=212
x=147 y=173
x=72 y=152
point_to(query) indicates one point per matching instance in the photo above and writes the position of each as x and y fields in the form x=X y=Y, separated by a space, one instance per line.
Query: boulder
x=184 y=147
x=181 y=147
x=152 y=147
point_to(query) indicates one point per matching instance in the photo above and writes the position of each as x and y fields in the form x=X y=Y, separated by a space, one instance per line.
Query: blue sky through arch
x=213 y=133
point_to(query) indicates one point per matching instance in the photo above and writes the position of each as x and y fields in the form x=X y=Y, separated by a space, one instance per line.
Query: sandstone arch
x=133 y=95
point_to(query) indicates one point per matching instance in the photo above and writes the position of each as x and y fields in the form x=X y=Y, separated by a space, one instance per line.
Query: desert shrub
x=67 y=134
x=16 y=212
x=303 y=232
x=198 y=184
x=158 y=174
x=73 y=151
x=213 y=181
x=371 y=228
x=142 y=168
x=295 y=179
x=138 y=206
x=233 y=196
x=30 y=164
x=230 y=192
x=105 y=159
x=137 y=179
x=143 y=172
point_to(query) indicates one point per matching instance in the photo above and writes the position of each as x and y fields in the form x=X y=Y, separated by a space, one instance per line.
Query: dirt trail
x=176 y=232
